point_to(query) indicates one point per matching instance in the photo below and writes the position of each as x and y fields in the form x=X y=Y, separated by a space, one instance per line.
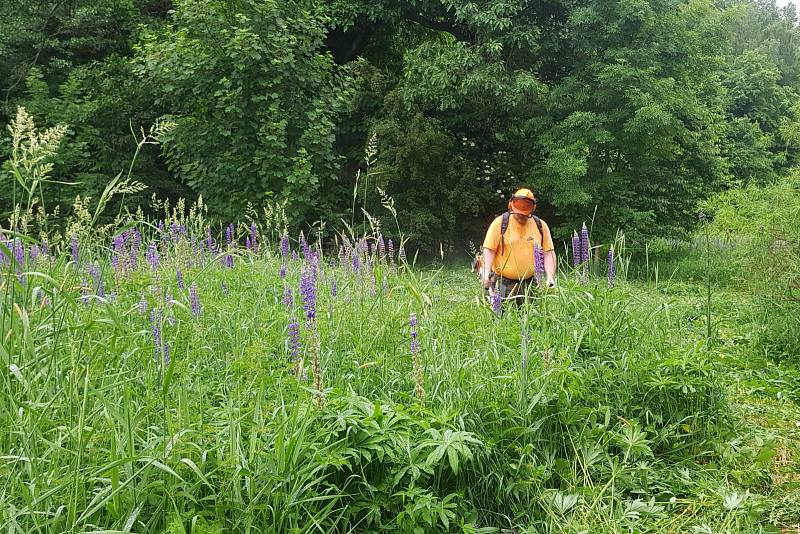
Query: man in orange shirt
x=509 y=259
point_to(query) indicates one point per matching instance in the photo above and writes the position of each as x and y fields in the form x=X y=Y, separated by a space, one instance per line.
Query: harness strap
x=504 y=227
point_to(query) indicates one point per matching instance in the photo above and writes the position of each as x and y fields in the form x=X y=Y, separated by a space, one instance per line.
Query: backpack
x=504 y=227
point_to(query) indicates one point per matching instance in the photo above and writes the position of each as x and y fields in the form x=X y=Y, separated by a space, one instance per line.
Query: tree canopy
x=627 y=112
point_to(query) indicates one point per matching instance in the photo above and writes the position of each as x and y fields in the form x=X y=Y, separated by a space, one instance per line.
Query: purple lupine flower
x=391 y=251
x=19 y=252
x=227 y=261
x=4 y=259
x=160 y=227
x=179 y=277
x=85 y=291
x=381 y=246
x=304 y=247
x=94 y=272
x=254 y=236
x=612 y=268
x=142 y=305
x=229 y=235
x=155 y=323
x=497 y=301
x=283 y=271
x=210 y=245
x=45 y=247
x=284 y=246
x=294 y=339
x=73 y=246
x=356 y=262
x=576 y=249
x=35 y=251
x=373 y=249
x=247 y=244
x=166 y=354
x=308 y=290
x=341 y=255
x=295 y=257
x=334 y=289
x=584 y=241
x=412 y=322
x=152 y=256
x=288 y=298
x=194 y=299
x=538 y=262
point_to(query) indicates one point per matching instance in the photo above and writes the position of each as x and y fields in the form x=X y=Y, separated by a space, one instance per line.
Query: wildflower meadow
x=162 y=376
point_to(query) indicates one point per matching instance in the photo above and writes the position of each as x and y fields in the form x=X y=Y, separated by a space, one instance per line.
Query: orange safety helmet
x=523 y=202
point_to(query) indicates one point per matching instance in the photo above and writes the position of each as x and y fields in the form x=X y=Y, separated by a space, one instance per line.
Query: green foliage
x=761 y=222
x=254 y=99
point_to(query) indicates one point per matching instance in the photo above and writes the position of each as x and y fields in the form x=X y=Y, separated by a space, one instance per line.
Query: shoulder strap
x=503 y=228
x=539 y=226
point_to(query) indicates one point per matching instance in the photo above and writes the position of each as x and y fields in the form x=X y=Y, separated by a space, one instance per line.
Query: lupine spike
x=73 y=246
x=576 y=249
x=584 y=241
x=194 y=299
x=538 y=260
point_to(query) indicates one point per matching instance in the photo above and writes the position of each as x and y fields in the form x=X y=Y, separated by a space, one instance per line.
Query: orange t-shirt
x=517 y=260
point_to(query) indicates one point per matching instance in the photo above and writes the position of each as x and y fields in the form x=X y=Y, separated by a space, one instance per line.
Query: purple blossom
x=334 y=289
x=612 y=268
x=295 y=257
x=288 y=298
x=210 y=245
x=584 y=242
x=166 y=354
x=142 y=305
x=229 y=235
x=227 y=261
x=85 y=291
x=247 y=244
x=73 y=245
x=576 y=249
x=45 y=247
x=179 y=276
x=497 y=301
x=294 y=339
x=283 y=271
x=538 y=261
x=356 y=262
x=412 y=322
x=381 y=246
x=308 y=291
x=194 y=299
x=94 y=272
x=391 y=251
x=152 y=256
x=304 y=246
x=19 y=253
x=284 y=246
x=35 y=251
x=4 y=259
x=254 y=236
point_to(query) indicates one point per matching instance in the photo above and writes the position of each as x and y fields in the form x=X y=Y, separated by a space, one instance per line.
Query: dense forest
x=625 y=112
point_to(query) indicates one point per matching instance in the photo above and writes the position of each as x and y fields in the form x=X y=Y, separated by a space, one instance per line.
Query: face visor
x=522 y=205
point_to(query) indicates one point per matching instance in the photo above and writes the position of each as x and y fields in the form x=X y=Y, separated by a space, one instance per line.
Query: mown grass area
x=154 y=385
